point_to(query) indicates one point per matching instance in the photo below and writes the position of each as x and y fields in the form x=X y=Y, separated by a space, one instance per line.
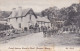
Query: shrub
x=4 y=27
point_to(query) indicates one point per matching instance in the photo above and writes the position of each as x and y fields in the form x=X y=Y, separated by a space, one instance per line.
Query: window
x=19 y=25
x=16 y=19
x=21 y=18
x=30 y=16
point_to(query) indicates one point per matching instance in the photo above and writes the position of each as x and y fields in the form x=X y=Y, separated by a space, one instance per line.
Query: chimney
x=13 y=12
x=19 y=11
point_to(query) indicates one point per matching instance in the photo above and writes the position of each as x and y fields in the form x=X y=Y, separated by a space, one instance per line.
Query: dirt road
x=37 y=39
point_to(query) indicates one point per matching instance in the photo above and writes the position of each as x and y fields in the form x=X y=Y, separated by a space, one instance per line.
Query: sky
x=36 y=5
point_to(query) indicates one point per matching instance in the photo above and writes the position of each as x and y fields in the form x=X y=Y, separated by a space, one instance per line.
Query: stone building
x=22 y=18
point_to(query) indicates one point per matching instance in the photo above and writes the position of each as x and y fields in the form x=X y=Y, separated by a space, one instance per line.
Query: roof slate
x=16 y=14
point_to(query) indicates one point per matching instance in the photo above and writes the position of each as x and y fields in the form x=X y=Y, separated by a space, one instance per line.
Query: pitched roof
x=24 y=12
x=43 y=19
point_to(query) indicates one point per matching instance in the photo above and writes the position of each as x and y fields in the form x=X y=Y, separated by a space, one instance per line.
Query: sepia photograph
x=39 y=25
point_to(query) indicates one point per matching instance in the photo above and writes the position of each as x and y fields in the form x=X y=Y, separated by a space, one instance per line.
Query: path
x=28 y=40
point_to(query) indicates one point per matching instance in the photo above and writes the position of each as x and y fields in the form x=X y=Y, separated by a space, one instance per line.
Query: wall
x=24 y=21
x=13 y=22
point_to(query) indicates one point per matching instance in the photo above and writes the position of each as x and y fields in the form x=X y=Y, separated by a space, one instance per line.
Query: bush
x=4 y=27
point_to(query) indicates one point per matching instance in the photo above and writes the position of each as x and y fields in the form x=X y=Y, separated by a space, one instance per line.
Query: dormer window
x=8 y=20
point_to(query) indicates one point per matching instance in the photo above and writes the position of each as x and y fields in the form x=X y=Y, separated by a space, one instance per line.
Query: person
x=41 y=28
x=44 y=31
x=30 y=28
x=49 y=32
x=36 y=27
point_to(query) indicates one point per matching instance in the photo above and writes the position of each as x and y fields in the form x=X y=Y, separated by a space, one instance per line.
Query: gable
x=32 y=13
x=23 y=13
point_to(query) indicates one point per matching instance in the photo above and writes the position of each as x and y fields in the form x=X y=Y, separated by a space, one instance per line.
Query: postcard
x=39 y=25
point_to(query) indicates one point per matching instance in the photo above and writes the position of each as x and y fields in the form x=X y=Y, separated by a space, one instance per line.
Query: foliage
x=71 y=14
x=4 y=27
